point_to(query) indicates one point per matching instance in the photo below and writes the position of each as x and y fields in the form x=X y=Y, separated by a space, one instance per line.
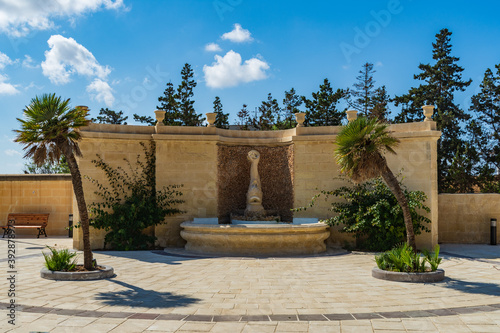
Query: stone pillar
x=351 y=115
x=211 y=118
x=428 y=112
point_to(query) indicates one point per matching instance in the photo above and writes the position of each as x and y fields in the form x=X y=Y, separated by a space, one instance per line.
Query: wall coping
x=230 y=136
x=36 y=177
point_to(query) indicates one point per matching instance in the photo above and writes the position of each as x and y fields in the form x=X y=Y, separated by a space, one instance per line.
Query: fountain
x=255 y=231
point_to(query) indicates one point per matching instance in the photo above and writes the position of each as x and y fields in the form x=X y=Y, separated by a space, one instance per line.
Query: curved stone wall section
x=233 y=177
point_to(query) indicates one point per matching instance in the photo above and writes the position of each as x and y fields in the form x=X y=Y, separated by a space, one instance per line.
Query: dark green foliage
x=170 y=105
x=268 y=115
x=372 y=214
x=107 y=116
x=371 y=102
x=150 y=121
x=291 y=104
x=131 y=203
x=360 y=98
x=244 y=120
x=187 y=114
x=484 y=131
x=402 y=258
x=441 y=81
x=221 y=118
x=322 y=108
x=60 y=260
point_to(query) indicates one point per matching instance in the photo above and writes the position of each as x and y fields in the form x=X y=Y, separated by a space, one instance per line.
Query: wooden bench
x=25 y=221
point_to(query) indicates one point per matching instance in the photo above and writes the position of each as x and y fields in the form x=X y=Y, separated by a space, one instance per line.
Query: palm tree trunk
x=393 y=184
x=82 y=206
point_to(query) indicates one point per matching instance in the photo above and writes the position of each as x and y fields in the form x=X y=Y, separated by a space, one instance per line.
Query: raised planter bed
x=427 y=277
x=104 y=273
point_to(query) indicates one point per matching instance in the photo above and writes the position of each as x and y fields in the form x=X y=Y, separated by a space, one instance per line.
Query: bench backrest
x=28 y=219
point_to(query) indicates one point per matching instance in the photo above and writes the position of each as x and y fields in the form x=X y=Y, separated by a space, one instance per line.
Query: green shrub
x=402 y=258
x=60 y=260
x=372 y=214
x=131 y=203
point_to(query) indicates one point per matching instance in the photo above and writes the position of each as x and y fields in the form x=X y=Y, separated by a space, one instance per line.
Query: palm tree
x=48 y=131
x=360 y=154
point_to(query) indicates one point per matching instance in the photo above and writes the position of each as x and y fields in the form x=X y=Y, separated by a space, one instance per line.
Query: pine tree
x=380 y=101
x=268 y=115
x=442 y=80
x=322 y=108
x=291 y=104
x=150 y=121
x=170 y=105
x=187 y=113
x=221 y=119
x=107 y=116
x=484 y=131
x=244 y=120
x=361 y=97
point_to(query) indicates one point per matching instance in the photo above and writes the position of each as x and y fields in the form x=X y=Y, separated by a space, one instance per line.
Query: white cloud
x=5 y=60
x=379 y=64
x=238 y=35
x=19 y=17
x=66 y=57
x=12 y=152
x=101 y=91
x=28 y=62
x=7 y=88
x=228 y=71
x=212 y=47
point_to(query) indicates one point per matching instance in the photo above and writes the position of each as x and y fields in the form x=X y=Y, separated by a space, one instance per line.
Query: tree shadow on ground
x=471 y=287
x=139 y=297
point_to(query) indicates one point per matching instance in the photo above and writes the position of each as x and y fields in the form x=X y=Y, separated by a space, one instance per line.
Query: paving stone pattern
x=179 y=292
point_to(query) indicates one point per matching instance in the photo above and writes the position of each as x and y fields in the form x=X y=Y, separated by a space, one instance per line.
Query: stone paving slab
x=181 y=292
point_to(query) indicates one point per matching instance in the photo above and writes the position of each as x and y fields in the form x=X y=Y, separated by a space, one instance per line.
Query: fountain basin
x=275 y=239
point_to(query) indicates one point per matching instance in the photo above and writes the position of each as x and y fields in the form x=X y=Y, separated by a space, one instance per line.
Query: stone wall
x=37 y=194
x=189 y=156
x=465 y=218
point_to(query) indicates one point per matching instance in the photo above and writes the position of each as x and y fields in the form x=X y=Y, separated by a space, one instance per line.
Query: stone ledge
x=427 y=277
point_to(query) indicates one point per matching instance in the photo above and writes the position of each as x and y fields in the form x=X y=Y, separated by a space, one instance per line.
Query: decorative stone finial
x=300 y=117
x=84 y=107
x=428 y=112
x=160 y=116
x=211 y=118
x=351 y=115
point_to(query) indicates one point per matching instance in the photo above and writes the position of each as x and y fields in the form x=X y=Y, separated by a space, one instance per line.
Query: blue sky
x=120 y=54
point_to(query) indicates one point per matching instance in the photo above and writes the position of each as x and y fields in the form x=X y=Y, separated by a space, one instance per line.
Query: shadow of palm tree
x=136 y=296
x=471 y=287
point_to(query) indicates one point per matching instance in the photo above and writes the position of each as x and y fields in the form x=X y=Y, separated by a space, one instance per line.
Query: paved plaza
x=174 y=291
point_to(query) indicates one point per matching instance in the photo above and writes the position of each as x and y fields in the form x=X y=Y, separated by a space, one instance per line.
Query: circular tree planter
x=103 y=273
x=436 y=276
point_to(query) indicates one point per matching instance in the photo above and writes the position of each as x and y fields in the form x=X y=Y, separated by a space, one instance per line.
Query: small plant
x=60 y=260
x=402 y=258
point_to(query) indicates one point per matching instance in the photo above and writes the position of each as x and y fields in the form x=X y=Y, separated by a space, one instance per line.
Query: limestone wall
x=37 y=194
x=189 y=156
x=465 y=218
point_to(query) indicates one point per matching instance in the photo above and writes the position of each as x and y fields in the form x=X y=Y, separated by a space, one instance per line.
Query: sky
x=120 y=54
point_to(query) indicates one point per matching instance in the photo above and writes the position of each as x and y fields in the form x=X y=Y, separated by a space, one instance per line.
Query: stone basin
x=255 y=239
